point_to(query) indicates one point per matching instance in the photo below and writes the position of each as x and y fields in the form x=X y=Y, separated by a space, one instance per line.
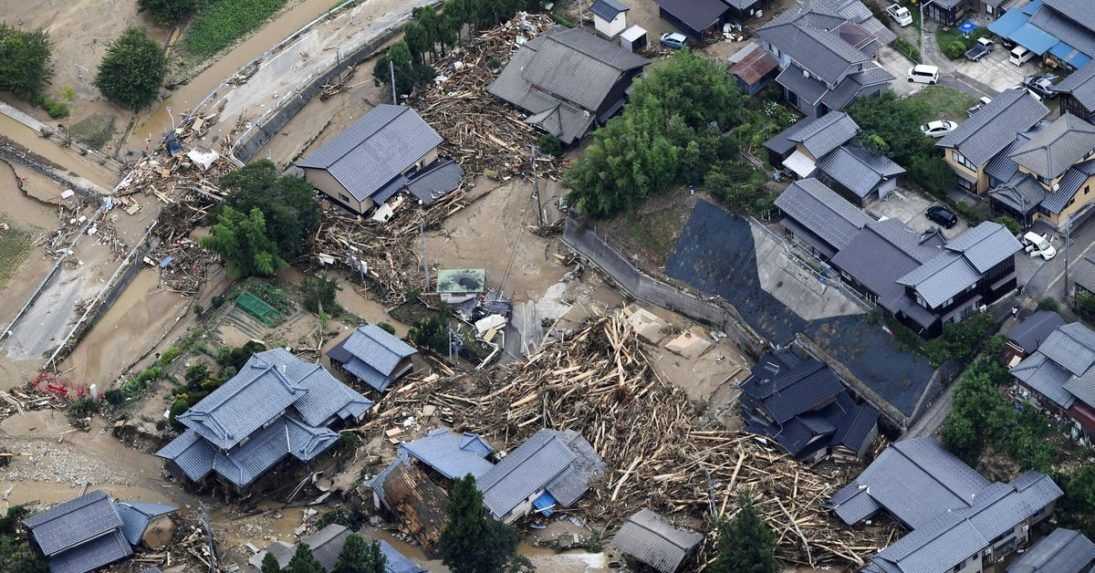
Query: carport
x=693 y=17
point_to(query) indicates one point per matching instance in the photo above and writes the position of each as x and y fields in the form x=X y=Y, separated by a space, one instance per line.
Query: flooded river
x=49 y=149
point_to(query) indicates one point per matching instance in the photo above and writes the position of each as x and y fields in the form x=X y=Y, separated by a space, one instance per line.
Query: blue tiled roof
x=453 y=455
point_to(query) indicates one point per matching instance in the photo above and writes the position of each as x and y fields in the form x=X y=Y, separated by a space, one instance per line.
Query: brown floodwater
x=66 y=158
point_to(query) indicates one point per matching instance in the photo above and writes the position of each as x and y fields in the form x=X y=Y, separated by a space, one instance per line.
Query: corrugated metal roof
x=375 y=149
x=1051 y=151
x=440 y=180
x=73 y=522
x=823 y=212
x=825 y=134
x=755 y=65
x=1063 y=551
x=450 y=454
x=650 y=539
x=995 y=126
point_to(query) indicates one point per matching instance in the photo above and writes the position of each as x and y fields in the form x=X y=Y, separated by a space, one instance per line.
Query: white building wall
x=610 y=29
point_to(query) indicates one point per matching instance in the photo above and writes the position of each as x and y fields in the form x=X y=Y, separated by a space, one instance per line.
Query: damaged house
x=373 y=356
x=959 y=520
x=275 y=408
x=326 y=546
x=93 y=530
x=389 y=150
x=568 y=80
x=802 y=405
x=1060 y=376
x=650 y=539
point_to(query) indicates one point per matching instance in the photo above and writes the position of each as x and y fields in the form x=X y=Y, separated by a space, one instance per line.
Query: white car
x=923 y=74
x=1039 y=246
x=900 y=14
x=938 y=128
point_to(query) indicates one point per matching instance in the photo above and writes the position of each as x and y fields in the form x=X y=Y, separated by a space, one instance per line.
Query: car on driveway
x=673 y=40
x=980 y=49
x=923 y=74
x=1039 y=246
x=942 y=216
x=1041 y=84
x=938 y=128
x=981 y=102
x=900 y=14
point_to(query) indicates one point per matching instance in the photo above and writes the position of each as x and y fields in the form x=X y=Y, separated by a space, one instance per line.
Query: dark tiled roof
x=821 y=211
x=1053 y=150
x=608 y=9
x=696 y=15
x=995 y=126
x=649 y=538
x=1034 y=329
x=1063 y=551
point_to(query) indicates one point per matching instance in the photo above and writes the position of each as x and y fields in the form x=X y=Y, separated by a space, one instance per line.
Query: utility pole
x=425 y=264
x=391 y=72
x=536 y=185
x=1068 y=244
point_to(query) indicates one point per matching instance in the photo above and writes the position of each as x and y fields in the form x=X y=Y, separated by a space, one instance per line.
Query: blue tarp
x=967 y=27
x=545 y=504
x=1034 y=39
x=1007 y=24
x=1079 y=60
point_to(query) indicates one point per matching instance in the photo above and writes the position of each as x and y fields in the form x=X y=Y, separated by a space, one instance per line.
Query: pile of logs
x=484 y=134
x=659 y=452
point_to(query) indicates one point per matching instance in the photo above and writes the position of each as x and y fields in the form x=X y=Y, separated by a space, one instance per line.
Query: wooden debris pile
x=659 y=453
x=482 y=133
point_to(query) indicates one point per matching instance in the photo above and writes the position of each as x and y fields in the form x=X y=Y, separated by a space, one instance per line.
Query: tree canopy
x=168 y=12
x=360 y=556
x=25 y=61
x=304 y=562
x=288 y=204
x=270 y=564
x=473 y=542
x=671 y=132
x=132 y=70
x=242 y=241
x=746 y=544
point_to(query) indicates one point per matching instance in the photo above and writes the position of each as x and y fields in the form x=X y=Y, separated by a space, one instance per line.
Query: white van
x=924 y=74
x=1021 y=55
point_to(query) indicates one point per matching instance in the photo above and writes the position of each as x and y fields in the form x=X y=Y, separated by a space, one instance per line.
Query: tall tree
x=746 y=544
x=287 y=203
x=168 y=12
x=132 y=70
x=270 y=564
x=359 y=556
x=25 y=61
x=408 y=74
x=304 y=562
x=473 y=542
x=242 y=241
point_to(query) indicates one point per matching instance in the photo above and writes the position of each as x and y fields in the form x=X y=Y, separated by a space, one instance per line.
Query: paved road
x=933 y=418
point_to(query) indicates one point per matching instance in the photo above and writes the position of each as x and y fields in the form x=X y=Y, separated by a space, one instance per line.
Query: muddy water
x=133 y=324
x=372 y=311
x=152 y=125
x=21 y=209
x=67 y=159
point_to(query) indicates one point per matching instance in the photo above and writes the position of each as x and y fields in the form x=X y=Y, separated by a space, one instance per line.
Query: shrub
x=26 y=61
x=1012 y=225
x=550 y=145
x=132 y=70
x=386 y=327
x=55 y=109
x=1049 y=304
x=954 y=49
x=168 y=12
x=1085 y=306
x=169 y=355
x=961 y=341
x=320 y=294
x=82 y=408
x=114 y=397
x=432 y=333
x=196 y=374
x=907 y=49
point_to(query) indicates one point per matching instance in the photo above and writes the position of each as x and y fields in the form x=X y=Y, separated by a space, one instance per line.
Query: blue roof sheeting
x=453 y=455
x=1034 y=38
x=1007 y=24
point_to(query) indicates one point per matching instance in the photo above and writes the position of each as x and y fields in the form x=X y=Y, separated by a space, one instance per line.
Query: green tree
x=288 y=204
x=746 y=544
x=359 y=556
x=1076 y=509
x=168 y=12
x=25 y=61
x=270 y=564
x=320 y=294
x=304 y=562
x=979 y=415
x=473 y=542
x=408 y=73
x=431 y=332
x=242 y=241
x=132 y=70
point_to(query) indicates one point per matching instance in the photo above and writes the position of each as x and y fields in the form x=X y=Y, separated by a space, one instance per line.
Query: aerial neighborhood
x=499 y=286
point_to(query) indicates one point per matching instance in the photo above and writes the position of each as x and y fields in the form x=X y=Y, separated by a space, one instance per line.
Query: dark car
x=942 y=215
x=1041 y=84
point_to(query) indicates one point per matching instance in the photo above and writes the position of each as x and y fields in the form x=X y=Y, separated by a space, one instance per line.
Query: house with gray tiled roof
x=825 y=50
x=326 y=545
x=1078 y=93
x=373 y=356
x=959 y=521
x=650 y=539
x=91 y=531
x=1063 y=551
x=1060 y=375
x=276 y=407
x=818 y=218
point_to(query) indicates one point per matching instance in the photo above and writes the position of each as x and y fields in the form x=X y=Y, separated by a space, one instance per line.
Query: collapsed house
x=802 y=405
x=373 y=356
x=94 y=530
x=651 y=540
x=388 y=151
x=956 y=516
x=568 y=80
x=326 y=545
x=276 y=407
x=551 y=469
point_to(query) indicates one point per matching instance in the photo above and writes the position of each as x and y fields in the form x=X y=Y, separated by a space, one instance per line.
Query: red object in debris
x=57 y=389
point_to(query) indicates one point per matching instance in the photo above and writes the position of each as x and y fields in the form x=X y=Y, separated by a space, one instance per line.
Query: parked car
x=923 y=74
x=1039 y=246
x=982 y=102
x=941 y=215
x=938 y=128
x=900 y=14
x=673 y=40
x=1020 y=55
x=1041 y=84
x=980 y=49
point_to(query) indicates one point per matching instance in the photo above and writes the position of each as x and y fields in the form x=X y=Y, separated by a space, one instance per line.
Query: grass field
x=224 y=21
x=943 y=102
x=15 y=245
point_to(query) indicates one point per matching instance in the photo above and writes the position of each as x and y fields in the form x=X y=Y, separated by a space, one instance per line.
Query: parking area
x=995 y=70
x=898 y=65
x=911 y=208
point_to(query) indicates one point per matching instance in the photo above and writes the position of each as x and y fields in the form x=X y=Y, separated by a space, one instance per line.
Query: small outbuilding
x=373 y=356
x=609 y=17
x=648 y=538
x=694 y=17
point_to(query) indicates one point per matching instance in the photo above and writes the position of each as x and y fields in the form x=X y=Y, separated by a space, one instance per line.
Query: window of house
x=1086 y=189
x=964 y=162
x=965 y=184
x=345 y=198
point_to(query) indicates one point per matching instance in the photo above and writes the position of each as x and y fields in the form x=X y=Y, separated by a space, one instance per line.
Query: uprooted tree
x=473 y=542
